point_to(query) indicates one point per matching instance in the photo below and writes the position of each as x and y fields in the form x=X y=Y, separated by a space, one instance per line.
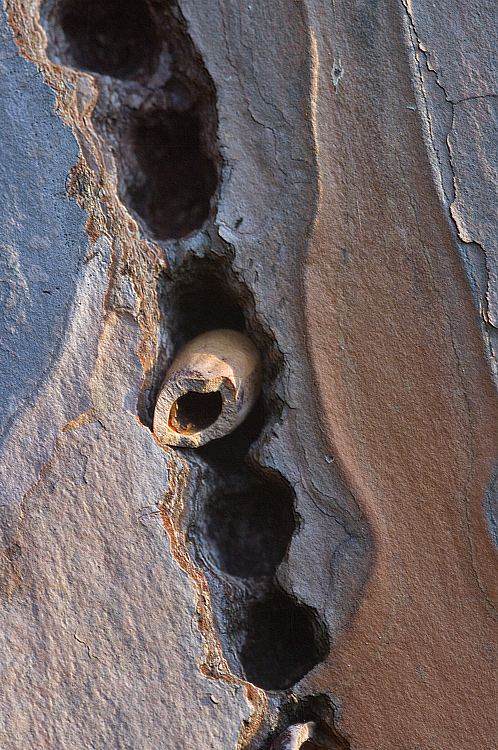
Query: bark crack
x=83 y=643
x=448 y=202
x=417 y=47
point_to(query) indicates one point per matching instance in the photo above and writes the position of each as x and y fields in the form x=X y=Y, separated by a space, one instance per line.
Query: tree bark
x=320 y=177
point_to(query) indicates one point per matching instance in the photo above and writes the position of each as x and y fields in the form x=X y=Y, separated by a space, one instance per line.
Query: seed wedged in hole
x=319 y=709
x=110 y=37
x=223 y=367
x=283 y=642
x=194 y=411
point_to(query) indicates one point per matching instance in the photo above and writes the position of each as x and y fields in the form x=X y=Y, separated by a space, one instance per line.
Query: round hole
x=194 y=411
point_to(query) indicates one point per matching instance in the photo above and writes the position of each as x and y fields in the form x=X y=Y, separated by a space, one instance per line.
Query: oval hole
x=283 y=642
x=194 y=412
x=250 y=530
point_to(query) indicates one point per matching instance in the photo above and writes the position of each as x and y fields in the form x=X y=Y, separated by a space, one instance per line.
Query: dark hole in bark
x=284 y=641
x=198 y=298
x=194 y=412
x=250 y=530
x=110 y=37
x=201 y=300
x=178 y=180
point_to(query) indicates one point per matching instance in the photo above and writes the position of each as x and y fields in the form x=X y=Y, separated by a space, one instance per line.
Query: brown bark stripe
x=408 y=403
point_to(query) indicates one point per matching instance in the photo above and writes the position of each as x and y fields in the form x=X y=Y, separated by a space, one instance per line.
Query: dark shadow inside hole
x=194 y=412
x=284 y=642
x=201 y=300
x=250 y=530
x=110 y=37
x=178 y=179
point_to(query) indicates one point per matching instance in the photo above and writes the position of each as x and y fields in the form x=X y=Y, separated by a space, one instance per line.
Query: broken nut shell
x=294 y=736
x=210 y=388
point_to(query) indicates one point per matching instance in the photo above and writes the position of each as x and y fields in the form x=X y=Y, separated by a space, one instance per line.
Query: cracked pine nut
x=209 y=389
x=294 y=736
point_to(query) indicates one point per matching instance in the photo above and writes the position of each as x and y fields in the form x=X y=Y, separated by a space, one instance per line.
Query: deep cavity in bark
x=156 y=109
x=242 y=516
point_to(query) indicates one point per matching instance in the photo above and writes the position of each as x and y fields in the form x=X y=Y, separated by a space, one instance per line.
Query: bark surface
x=322 y=178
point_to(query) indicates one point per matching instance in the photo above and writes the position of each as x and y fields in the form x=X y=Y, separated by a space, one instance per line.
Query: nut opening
x=209 y=389
x=194 y=412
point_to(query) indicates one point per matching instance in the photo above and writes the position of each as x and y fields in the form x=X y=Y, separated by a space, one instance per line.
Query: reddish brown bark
x=408 y=404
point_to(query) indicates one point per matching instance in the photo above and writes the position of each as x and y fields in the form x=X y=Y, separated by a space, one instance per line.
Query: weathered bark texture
x=320 y=176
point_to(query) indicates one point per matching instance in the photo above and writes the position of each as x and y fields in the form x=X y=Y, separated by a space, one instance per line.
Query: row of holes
x=244 y=527
x=168 y=170
x=163 y=130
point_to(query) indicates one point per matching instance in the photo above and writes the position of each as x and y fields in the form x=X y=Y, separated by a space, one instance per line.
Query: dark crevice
x=283 y=642
x=156 y=110
x=111 y=37
x=249 y=531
